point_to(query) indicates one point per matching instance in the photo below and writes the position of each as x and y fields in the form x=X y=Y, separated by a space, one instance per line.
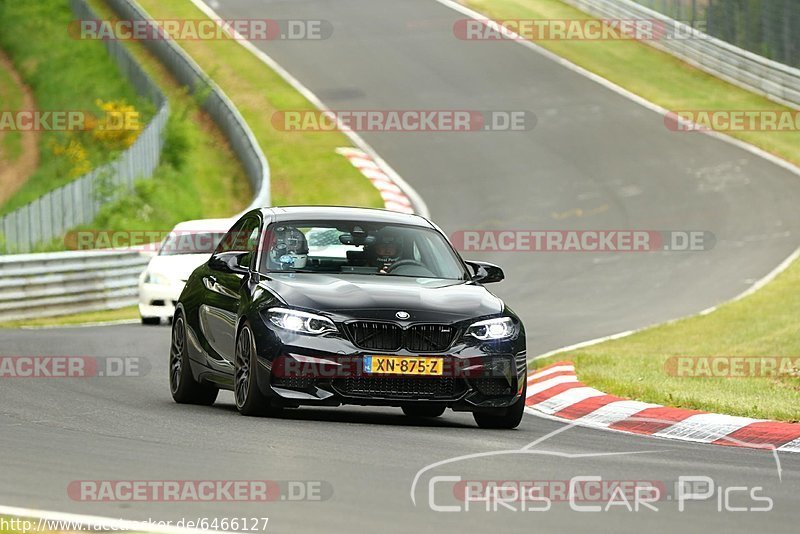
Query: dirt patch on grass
x=13 y=174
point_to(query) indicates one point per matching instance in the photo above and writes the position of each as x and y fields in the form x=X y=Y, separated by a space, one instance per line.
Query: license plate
x=403 y=365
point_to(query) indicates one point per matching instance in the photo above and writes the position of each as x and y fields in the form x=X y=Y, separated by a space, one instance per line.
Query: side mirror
x=485 y=273
x=230 y=262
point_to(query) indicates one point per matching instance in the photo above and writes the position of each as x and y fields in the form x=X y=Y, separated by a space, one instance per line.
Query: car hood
x=381 y=297
x=177 y=267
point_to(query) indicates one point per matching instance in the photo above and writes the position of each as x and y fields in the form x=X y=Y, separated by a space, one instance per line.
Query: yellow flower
x=119 y=127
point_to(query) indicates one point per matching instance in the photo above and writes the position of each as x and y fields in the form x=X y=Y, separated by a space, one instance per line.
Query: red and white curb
x=393 y=197
x=556 y=392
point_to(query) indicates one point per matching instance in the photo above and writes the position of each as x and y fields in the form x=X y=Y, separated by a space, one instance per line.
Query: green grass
x=64 y=74
x=650 y=73
x=305 y=167
x=763 y=324
x=122 y=314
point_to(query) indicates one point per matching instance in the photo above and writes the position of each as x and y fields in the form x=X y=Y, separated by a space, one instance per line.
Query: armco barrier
x=61 y=283
x=751 y=71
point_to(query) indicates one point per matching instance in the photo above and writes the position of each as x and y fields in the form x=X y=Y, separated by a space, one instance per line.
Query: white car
x=188 y=246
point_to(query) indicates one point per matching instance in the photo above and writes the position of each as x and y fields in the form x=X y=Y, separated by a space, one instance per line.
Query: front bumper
x=296 y=370
x=158 y=300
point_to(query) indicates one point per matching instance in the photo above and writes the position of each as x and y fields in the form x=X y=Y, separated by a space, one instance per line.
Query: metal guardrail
x=215 y=102
x=753 y=72
x=50 y=216
x=765 y=27
x=61 y=283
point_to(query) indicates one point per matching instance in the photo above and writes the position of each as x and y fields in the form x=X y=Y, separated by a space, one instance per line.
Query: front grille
x=429 y=337
x=400 y=387
x=374 y=335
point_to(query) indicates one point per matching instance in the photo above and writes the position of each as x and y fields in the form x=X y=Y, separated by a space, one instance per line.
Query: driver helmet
x=388 y=250
x=289 y=248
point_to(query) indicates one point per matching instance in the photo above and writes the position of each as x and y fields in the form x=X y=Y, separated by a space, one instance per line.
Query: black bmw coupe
x=328 y=305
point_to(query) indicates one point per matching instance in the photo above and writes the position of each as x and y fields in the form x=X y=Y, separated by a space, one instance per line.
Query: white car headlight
x=300 y=321
x=152 y=278
x=493 y=329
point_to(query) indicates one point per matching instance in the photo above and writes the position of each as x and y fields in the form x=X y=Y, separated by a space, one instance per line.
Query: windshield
x=349 y=247
x=187 y=242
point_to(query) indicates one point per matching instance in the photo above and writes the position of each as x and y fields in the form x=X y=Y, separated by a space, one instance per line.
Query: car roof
x=343 y=213
x=213 y=225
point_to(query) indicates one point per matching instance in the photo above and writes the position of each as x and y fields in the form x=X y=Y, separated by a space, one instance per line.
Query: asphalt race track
x=595 y=160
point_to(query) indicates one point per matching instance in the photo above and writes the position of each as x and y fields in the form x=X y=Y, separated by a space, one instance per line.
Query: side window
x=252 y=239
x=243 y=237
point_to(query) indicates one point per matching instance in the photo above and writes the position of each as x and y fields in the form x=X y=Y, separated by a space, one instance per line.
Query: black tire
x=151 y=321
x=249 y=399
x=423 y=410
x=185 y=389
x=510 y=418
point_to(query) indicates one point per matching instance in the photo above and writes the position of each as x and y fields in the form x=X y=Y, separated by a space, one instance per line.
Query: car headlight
x=492 y=329
x=300 y=321
x=151 y=278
